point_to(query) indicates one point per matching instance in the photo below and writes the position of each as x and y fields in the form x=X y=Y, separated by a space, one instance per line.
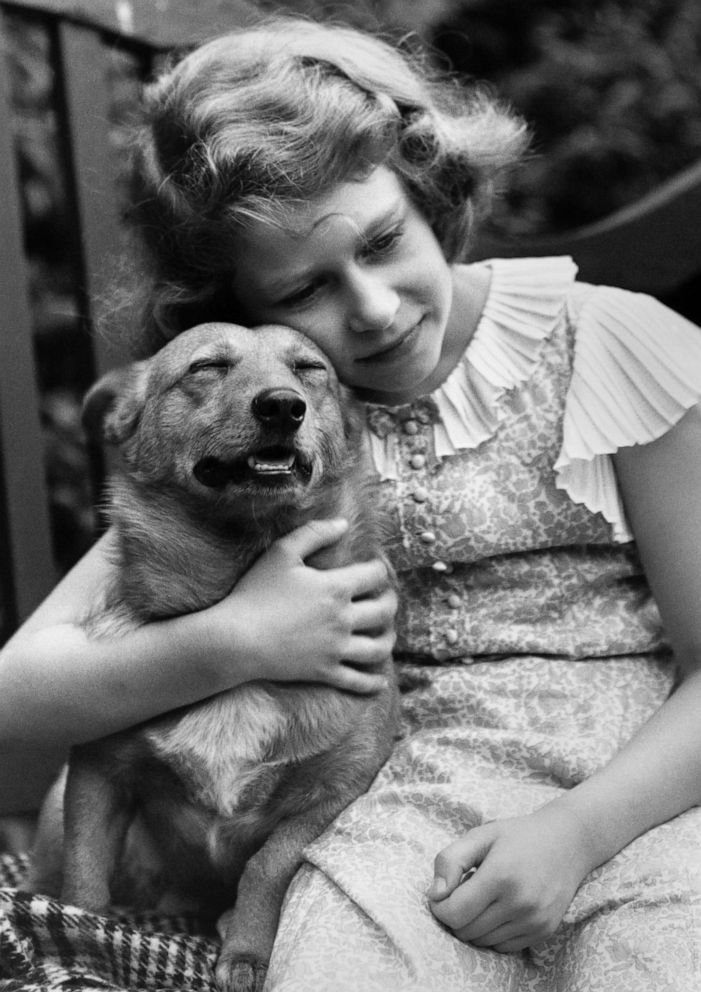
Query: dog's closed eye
x=209 y=365
x=309 y=366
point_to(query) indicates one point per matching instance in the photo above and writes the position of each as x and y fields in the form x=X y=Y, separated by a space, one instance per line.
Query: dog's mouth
x=274 y=465
x=272 y=461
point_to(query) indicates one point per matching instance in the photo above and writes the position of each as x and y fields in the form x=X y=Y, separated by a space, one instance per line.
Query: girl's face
x=361 y=273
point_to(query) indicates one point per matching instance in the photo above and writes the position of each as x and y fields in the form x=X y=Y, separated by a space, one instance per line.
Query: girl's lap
x=360 y=919
x=482 y=742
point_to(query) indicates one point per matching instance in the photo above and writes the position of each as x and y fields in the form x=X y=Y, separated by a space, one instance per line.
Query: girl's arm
x=528 y=868
x=283 y=621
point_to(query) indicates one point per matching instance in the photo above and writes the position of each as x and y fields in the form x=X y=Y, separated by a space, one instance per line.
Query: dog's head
x=229 y=416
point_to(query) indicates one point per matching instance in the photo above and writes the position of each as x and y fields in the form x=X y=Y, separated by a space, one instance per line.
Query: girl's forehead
x=342 y=217
x=356 y=202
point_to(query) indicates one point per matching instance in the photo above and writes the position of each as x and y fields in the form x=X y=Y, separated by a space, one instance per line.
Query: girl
x=538 y=449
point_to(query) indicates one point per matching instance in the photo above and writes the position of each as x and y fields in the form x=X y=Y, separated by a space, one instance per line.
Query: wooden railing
x=82 y=34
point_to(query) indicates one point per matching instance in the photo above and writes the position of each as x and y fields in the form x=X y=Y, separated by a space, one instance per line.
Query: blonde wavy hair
x=253 y=122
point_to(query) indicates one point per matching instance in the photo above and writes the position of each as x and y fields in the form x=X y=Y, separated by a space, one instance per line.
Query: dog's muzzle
x=281 y=413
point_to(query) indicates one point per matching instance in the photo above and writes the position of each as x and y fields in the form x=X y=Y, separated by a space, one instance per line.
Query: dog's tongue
x=269 y=465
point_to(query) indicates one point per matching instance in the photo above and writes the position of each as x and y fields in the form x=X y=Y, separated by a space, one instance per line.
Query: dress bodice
x=506 y=526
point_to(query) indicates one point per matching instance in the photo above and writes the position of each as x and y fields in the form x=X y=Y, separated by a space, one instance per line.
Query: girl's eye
x=303 y=295
x=384 y=243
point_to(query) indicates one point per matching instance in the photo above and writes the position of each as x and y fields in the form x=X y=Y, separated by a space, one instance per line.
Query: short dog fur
x=230 y=437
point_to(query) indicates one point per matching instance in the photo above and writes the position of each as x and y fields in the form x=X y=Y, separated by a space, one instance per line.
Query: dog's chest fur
x=232 y=750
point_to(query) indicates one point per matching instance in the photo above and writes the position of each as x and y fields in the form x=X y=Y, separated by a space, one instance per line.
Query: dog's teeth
x=280 y=465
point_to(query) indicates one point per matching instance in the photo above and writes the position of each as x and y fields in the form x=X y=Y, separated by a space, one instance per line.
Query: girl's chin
x=405 y=376
x=393 y=389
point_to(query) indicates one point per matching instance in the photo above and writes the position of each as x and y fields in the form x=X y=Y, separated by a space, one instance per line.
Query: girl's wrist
x=586 y=842
x=225 y=645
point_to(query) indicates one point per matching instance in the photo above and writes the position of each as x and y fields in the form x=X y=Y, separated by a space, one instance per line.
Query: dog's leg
x=96 y=818
x=248 y=930
x=46 y=866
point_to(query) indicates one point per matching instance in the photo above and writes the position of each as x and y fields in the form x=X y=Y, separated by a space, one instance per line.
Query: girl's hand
x=288 y=621
x=526 y=872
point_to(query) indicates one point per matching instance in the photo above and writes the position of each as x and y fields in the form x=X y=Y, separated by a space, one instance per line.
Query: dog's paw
x=240 y=974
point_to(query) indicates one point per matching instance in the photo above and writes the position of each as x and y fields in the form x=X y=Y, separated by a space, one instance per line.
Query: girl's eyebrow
x=288 y=281
x=388 y=216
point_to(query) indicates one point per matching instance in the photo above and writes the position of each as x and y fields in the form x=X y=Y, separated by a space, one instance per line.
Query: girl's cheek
x=323 y=327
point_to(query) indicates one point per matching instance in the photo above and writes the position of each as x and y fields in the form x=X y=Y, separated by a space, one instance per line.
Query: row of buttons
x=420 y=494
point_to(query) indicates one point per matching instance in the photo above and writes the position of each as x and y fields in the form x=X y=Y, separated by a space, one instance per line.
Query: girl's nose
x=373 y=305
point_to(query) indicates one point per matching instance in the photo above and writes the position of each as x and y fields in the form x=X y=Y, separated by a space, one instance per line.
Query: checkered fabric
x=46 y=946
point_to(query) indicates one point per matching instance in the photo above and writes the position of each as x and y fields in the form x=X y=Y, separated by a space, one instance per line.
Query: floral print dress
x=531 y=646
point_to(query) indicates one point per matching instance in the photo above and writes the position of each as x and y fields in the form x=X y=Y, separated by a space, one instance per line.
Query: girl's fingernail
x=438 y=888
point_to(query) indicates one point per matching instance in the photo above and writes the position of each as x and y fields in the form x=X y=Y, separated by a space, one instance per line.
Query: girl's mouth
x=392 y=352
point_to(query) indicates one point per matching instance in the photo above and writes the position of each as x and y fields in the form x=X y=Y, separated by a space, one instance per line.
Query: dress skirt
x=479 y=742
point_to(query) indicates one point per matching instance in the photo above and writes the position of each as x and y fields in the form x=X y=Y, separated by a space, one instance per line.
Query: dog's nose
x=283 y=409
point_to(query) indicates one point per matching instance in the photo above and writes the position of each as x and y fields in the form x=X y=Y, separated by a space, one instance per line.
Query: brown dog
x=230 y=438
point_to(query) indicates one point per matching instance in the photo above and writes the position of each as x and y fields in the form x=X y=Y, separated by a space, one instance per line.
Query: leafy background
x=612 y=89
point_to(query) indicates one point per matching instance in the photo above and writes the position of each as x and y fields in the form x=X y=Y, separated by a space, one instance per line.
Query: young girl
x=538 y=449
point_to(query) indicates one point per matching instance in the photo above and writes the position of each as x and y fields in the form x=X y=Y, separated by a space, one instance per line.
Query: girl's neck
x=470 y=290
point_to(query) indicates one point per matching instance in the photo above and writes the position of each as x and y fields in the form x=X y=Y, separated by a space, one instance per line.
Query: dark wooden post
x=26 y=569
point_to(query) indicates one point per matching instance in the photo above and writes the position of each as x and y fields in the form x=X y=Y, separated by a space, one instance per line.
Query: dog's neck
x=174 y=558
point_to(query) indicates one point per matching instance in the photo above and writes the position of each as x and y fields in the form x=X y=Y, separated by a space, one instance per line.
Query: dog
x=230 y=437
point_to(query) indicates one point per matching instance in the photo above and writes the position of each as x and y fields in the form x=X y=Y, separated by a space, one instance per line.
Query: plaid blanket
x=46 y=945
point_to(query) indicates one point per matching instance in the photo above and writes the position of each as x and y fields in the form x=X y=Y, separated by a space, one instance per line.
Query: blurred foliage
x=391 y=17
x=612 y=89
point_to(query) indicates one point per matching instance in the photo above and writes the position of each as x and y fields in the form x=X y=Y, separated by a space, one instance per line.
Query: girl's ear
x=113 y=406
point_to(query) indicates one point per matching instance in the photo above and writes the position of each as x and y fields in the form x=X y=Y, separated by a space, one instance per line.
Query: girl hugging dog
x=537 y=446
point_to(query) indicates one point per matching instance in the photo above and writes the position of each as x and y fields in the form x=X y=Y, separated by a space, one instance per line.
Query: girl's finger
x=516 y=944
x=374 y=614
x=364 y=651
x=452 y=863
x=507 y=931
x=509 y=939
x=495 y=917
x=508 y=935
x=311 y=537
x=350 y=679
x=511 y=936
x=365 y=578
x=465 y=905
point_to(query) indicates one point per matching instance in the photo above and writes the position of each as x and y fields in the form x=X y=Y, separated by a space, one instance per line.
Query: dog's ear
x=112 y=407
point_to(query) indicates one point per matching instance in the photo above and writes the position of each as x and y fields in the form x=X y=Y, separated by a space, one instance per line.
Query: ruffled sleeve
x=525 y=302
x=637 y=370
